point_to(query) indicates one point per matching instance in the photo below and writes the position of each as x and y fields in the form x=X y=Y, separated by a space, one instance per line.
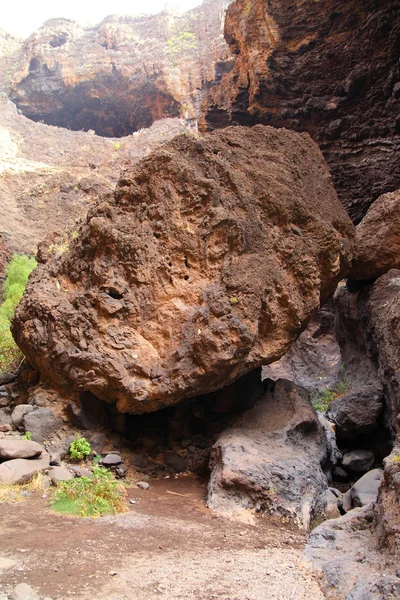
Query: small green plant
x=79 y=448
x=96 y=497
x=17 y=274
x=321 y=399
x=96 y=460
x=27 y=435
x=117 y=146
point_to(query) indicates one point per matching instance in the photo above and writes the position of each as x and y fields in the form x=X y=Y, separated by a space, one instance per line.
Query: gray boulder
x=357 y=413
x=41 y=423
x=111 y=460
x=10 y=449
x=365 y=490
x=59 y=474
x=270 y=459
x=358 y=461
x=19 y=412
x=21 y=470
x=5 y=418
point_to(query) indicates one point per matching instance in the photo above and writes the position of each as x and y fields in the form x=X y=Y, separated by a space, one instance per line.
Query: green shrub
x=17 y=275
x=102 y=495
x=79 y=448
x=27 y=435
x=321 y=399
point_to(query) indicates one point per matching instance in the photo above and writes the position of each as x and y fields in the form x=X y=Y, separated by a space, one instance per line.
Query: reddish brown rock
x=123 y=74
x=377 y=245
x=387 y=509
x=329 y=68
x=209 y=261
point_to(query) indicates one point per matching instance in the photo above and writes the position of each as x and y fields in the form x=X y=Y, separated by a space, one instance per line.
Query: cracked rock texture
x=330 y=68
x=209 y=261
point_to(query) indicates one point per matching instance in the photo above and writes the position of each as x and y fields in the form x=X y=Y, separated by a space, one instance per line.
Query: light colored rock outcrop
x=270 y=460
x=19 y=449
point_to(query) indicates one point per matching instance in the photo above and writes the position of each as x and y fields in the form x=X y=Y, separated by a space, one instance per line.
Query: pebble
x=143 y=485
x=112 y=573
x=132 y=501
x=23 y=591
x=7 y=563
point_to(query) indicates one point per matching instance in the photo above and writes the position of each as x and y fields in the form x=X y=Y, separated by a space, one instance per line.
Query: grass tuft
x=96 y=497
x=16 y=493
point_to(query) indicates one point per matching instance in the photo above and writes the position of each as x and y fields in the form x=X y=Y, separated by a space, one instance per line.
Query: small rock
x=121 y=471
x=132 y=501
x=19 y=412
x=7 y=563
x=346 y=502
x=79 y=472
x=113 y=573
x=5 y=418
x=339 y=474
x=58 y=474
x=358 y=460
x=140 y=460
x=111 y=460
x=23 y=591
x=42 y=423
x=10 y=449
x=143 y=485
x=175 y=461
x=332 y=508
x=55 y=459
x=7 y=378
x=365 y=490
x=5 y=427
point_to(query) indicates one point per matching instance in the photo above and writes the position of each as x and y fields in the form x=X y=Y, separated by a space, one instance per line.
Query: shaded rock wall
x=209 y=261
x=328 y=68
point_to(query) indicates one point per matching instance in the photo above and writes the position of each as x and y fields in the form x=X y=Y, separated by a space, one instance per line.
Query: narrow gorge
x=212 y=199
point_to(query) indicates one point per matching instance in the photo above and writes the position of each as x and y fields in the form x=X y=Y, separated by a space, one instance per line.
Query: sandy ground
x=167 y=547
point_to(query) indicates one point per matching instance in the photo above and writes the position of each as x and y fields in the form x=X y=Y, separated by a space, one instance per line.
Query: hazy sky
x=24 y=16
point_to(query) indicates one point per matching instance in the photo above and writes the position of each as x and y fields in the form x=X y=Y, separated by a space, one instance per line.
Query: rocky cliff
x=122 y=75
x=328 y=68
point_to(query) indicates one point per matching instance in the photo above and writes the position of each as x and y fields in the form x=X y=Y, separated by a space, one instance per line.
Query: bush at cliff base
x=17 y=275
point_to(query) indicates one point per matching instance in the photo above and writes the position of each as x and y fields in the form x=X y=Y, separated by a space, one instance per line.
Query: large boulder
x=377 y=246
x=41 y=423
x=270 y=459
x=209 y=261
x=365 y=490
x=357 y=412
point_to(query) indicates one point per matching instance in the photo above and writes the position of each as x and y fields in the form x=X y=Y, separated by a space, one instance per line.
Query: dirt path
x=167 y=547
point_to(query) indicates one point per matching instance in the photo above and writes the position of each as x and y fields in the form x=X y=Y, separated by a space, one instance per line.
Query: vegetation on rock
x=17 y=275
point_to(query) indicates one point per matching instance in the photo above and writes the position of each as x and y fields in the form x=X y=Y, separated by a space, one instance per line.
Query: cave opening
x=109 y=105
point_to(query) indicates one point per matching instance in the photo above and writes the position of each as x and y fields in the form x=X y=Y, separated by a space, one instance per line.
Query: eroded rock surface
x=377 y=244
x=329 y=68
x=209 y=261
x=125 y=73
x=270 y=459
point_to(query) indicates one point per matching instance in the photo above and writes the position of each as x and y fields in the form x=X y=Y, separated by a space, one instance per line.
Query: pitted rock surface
x=377 y=245
x=330 y=68
x=209 y=261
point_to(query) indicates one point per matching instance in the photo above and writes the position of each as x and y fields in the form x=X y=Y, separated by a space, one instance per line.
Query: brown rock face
x=209 y=261
x=329 y=68
x=122 y=75
x=377 y=246
x=369 y=337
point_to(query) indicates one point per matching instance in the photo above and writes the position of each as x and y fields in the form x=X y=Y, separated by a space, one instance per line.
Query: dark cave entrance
x=109 y=105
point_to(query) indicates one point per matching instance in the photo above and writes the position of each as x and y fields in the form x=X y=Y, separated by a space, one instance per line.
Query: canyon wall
x=329 y=68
